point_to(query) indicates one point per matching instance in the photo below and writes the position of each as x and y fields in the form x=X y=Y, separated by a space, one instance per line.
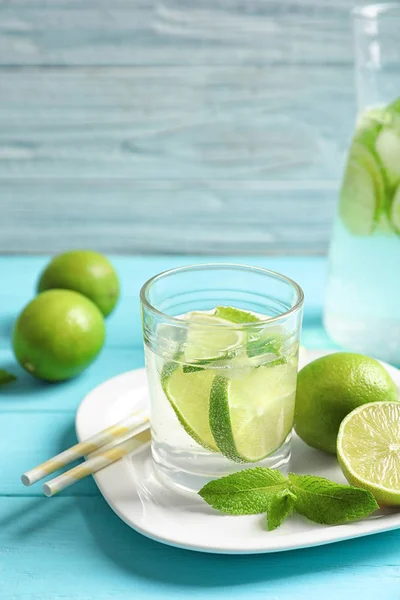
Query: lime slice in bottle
x=369 y=125
x=189 y=396
x=388 y=148
x=368 y=449
x=210 y=338
x=395 y=210
x=358 y=207
x=251 y=416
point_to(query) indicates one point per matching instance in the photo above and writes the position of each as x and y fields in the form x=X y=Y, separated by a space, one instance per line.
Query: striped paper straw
x=137 y=421
x=94 y=464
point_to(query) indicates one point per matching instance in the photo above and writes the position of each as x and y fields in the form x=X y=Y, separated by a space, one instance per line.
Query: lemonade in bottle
x=221 y=345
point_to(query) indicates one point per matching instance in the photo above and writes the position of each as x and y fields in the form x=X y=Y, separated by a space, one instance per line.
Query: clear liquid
x=181 y=461
x=362 y=308
x=363 y=293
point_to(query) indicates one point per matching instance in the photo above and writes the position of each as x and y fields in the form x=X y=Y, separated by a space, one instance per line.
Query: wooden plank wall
x=185 y=126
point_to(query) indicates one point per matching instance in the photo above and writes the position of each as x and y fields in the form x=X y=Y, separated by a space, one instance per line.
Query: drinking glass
x=221 y=345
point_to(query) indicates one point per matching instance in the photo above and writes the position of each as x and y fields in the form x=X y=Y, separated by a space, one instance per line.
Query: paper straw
x=94 y=464
x=110 y=435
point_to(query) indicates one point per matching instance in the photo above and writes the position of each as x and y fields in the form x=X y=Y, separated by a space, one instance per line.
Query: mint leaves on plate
x=260 y=490
x=6 y=377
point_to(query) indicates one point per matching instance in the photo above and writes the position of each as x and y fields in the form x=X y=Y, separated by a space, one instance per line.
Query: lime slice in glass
x=251 y=416
x=368 y=449
x=395 y=210
x=210 y=338
x=189 y=396
x=263 y=344
x=235 y=315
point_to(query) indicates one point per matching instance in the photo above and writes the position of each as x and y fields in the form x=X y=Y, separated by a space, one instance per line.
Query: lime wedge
x=235 y=315
x=264 y=345
x=210 y=338
x=251 y=416
x=368 y=449
x=395 y=210
x=189 y=395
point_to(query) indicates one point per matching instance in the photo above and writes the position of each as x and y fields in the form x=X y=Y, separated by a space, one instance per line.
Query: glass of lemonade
x=221 y=344
x=362 y=310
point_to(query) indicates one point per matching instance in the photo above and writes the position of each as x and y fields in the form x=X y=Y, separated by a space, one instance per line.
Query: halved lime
x=189 y=395
x=395 y=210
x=251 y=415
x=368 y=450
x=210 y=338
x=358 y=206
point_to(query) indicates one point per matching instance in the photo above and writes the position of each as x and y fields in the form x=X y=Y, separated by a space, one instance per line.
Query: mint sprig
x=6 y=377
x=260 y=490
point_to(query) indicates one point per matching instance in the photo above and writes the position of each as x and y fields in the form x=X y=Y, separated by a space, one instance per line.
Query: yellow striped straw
x=111 y=435
x=95 y=463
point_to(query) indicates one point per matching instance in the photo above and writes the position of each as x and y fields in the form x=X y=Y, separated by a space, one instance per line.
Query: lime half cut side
x=252 y=415
x=210 y=338
x=189 y=395
x=368 y=449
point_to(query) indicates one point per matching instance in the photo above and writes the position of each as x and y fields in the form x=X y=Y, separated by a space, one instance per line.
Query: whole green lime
x=58 y=335
x=84 y=271
x=329 y=388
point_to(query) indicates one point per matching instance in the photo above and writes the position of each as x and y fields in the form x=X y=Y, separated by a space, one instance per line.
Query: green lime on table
x=368 y=449
x=329 y=388
x=189 y=396
x=58 y=335
x=252 y=415
x=86 y=272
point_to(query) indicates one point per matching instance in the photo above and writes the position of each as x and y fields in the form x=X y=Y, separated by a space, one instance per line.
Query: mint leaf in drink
x=245 y=492
x=329 y=503
x=6 y=377
x=280 y=506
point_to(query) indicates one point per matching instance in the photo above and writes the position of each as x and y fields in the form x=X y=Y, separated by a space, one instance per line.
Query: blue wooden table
x=73 y=546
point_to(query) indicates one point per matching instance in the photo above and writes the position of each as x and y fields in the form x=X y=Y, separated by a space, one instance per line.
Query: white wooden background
x=203 y=126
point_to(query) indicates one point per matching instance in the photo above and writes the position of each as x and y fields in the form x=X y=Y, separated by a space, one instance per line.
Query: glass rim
x=299 y=299
x=376 y=11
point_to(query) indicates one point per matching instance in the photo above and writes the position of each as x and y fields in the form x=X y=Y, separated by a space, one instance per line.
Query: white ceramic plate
x=183 y=519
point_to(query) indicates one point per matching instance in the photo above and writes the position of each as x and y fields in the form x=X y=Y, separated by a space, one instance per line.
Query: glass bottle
x=362 y=307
